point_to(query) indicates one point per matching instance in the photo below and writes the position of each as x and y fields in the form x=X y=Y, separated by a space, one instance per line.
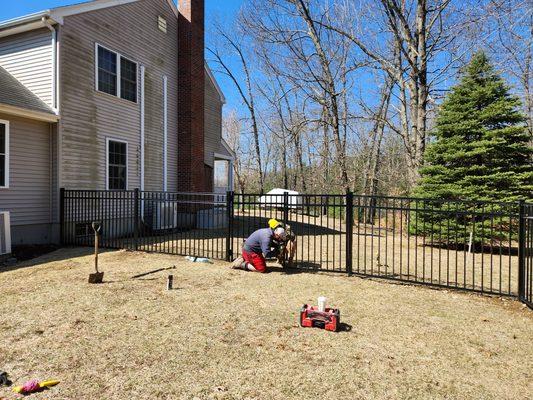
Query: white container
x=322 y=303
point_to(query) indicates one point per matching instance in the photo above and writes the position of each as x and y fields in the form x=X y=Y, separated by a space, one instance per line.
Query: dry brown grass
x=377 y=250
x=224 y=334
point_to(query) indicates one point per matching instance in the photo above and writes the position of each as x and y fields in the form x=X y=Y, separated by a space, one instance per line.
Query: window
x=128 y=80
x=4 y=154
x=107 y=71
x=222 y=174
x=117 y=165
x=83 y=229
x=116 y=75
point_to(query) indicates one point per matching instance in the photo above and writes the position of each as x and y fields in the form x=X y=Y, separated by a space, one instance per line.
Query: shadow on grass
x=298 y=267
x=344 y=327
x=60 y=254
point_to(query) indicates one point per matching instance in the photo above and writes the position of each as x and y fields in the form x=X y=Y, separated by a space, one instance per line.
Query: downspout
x=142 y=127
x=165 y=133
x=55 y=108
x=46 y=22
x=230 y=177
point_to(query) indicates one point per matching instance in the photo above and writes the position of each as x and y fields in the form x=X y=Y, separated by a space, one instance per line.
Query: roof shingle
x=15 y=94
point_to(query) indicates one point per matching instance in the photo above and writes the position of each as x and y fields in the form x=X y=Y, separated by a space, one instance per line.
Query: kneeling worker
x=260 y=245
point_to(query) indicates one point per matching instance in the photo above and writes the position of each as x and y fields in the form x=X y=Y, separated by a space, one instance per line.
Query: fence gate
x=526 y=258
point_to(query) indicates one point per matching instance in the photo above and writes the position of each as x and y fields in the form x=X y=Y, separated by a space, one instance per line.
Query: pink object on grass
x=31 y=386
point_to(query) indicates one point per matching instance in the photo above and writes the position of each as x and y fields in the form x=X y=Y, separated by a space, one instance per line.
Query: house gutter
x=55 y=103
x=23 y=112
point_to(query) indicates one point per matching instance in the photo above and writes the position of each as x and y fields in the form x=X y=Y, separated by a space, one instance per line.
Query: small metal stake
x=169 y=282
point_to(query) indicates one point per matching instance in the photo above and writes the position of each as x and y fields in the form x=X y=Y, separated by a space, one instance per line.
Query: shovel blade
x=97 y=277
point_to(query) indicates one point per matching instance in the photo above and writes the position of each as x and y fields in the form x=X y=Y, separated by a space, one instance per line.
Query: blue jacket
x=261 y=241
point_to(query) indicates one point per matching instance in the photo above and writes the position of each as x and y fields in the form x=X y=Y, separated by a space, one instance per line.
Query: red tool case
x=310 y=317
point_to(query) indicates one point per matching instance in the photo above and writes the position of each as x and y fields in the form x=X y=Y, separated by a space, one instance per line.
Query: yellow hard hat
x=273 y=223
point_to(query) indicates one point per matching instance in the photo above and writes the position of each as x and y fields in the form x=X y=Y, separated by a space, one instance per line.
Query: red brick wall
x=191 y=171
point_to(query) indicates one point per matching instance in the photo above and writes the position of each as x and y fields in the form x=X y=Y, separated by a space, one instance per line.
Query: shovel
x=97 y=277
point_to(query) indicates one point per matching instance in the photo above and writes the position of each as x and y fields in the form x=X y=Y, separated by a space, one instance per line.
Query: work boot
x=237 y=264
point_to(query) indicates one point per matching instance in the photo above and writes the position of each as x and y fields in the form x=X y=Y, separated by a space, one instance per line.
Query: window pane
x=128 y=80
x=221 y=173
x=107 y=71
x=2 y=170
x=2 y=139
x=3 y=165
x=117 y=160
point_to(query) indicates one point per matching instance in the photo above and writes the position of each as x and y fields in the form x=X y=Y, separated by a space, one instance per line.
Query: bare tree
x=311 y=59
x=510 y=39
x=408 y=36
x=246 y=93
x=232 y=133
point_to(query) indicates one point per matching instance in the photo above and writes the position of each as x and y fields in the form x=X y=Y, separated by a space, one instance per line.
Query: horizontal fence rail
x=478 y=246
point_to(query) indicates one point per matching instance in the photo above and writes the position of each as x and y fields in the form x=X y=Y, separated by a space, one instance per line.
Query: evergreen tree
x=480 y=151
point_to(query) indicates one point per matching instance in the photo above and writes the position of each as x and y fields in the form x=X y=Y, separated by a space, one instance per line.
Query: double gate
x=477 y=246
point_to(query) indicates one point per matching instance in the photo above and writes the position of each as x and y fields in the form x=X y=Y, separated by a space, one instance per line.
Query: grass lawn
x=224 y=334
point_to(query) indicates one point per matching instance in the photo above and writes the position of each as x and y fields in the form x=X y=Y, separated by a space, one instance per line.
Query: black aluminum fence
x=193 y=224
x=478 y=246
x=526 y=260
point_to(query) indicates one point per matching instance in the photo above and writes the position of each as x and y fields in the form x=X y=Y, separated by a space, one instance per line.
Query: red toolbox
x=330 y=319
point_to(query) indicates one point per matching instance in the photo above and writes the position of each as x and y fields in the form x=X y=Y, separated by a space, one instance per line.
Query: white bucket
x=322 y=303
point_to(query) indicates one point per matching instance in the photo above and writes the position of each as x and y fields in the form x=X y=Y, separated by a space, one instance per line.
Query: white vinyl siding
x=4 y=154
x=213 y=122
x=115 y=74
x=89 y=116
x=28 y=197
x=29 y=58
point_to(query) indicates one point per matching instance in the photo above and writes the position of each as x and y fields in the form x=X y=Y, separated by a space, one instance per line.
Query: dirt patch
x=223 y=334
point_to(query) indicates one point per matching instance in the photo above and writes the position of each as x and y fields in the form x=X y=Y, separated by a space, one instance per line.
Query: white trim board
x=59 y=13
x=219 y=156
x=6 y=123
x=23 y=112
x=33 y=21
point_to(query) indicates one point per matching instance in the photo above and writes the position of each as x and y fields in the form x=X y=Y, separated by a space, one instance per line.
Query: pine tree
x=481 y=149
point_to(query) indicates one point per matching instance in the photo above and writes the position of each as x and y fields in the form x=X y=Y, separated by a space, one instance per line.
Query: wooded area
x=344 y=95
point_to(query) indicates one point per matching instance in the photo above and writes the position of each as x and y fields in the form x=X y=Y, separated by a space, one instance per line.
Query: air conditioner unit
x=5 y=233
x=165 y=215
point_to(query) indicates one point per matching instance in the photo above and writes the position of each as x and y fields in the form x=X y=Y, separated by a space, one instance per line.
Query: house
x=105 y=95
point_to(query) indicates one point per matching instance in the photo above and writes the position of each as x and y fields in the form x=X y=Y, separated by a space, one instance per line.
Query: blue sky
x=222 y=9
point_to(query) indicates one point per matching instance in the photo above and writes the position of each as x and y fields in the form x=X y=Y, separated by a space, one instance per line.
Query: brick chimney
x=191 y=169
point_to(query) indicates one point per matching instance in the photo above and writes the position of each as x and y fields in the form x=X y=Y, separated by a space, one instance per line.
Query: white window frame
x=111 y=139
x=6 y=124
x=118 y=56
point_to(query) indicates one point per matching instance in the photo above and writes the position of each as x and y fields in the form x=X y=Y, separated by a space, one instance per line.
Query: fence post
x=285 y=207
x=521 y=250
x=229 y=236
x=349 y=233
x=136 y=199
x=62 y=216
